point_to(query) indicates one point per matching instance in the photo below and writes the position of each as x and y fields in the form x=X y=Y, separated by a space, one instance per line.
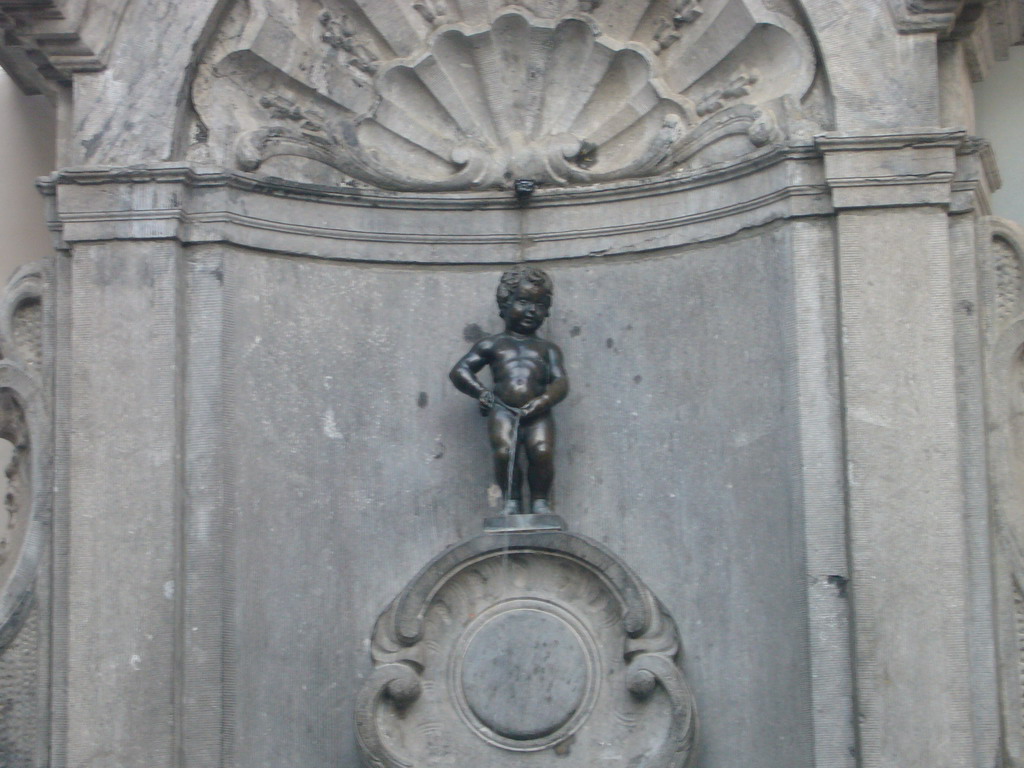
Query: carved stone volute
x=513 y=643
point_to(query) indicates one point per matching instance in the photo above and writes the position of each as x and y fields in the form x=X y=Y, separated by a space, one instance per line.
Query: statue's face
x=527 y=309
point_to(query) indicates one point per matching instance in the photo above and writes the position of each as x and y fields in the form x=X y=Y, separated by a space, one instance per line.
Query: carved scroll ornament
x=1005 y=369
x=527 y=647
x=22 y=423
x=453 y=96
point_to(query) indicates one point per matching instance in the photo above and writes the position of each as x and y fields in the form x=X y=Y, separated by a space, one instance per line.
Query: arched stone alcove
x=279 y=224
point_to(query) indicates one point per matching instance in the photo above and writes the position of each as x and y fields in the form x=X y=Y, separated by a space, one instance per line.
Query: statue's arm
x=463 y=373
x=557 y=388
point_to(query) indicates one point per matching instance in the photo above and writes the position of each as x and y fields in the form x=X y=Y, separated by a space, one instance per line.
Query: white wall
x=27 y=133
x=1000 y=115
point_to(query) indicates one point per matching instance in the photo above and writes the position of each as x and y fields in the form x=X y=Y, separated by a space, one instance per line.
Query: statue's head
x=524 y=297
x=513 y=280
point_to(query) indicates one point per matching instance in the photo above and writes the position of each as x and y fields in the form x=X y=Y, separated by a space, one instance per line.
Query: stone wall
x=791 y=326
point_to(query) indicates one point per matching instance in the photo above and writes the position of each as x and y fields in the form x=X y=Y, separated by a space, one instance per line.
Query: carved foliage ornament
x=523 y=648
x=1007 y=255
x=444 y=95
x=23 y=425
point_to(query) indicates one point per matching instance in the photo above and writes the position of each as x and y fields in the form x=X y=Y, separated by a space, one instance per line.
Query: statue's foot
x=511 y=507
x=540 y=507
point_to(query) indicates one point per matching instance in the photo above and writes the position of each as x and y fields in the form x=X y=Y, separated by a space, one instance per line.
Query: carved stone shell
x=445 y=95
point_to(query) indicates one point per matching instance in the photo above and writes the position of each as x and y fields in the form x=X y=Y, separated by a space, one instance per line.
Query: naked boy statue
x=529 y=379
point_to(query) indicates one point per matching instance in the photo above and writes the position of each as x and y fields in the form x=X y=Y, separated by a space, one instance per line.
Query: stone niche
x=668 y=141
x=354 y=462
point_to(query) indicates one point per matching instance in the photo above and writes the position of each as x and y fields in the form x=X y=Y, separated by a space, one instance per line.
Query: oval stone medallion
x=524 y=674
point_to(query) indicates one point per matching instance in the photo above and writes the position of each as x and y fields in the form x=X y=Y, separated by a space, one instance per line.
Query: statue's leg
x=501 y=429
x=540 y=450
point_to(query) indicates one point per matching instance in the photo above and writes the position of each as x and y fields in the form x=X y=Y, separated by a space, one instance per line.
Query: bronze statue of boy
x=529 y=378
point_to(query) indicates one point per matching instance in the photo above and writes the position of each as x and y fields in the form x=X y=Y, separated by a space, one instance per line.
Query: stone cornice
x=986 y=33
x=926 y=15
x=977 y=177
x=205 y=204
x=197 y=175
x=47 y=41
x=986 y=28
x=885 y=169
x=196 y=204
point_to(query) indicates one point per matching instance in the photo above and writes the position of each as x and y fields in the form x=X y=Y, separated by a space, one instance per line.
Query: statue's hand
x=486 y=401
x=535 y=407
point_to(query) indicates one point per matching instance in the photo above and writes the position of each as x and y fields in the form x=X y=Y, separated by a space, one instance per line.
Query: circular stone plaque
x=524 y=674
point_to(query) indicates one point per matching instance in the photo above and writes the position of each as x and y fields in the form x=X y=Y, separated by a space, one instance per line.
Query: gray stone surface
x=123 y=530
x=725 y=515
x=524 y=673
x=902 y=446
x=24 y=426
x=807 y=324
x=1001 y=278
x=24 y=521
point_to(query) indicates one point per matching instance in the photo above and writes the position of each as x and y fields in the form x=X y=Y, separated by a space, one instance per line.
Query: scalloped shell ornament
x=439 y=95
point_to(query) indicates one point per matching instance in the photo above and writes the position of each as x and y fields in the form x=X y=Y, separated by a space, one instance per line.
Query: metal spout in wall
x=524 y=188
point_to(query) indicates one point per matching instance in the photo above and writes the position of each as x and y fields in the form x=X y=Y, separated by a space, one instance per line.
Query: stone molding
x=24 y=519
x=985 y=29
x=977 y=177
x=196 y=204
x=926 y=15
x=46 y=42
x=986 y=33
x=203 y=204
x=891 y=169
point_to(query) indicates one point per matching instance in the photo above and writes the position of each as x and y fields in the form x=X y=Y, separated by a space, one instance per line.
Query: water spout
x=524 y=189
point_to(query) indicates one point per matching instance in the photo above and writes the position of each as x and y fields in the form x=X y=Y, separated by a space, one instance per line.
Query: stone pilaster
x=123 y=502
x=905 y=482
